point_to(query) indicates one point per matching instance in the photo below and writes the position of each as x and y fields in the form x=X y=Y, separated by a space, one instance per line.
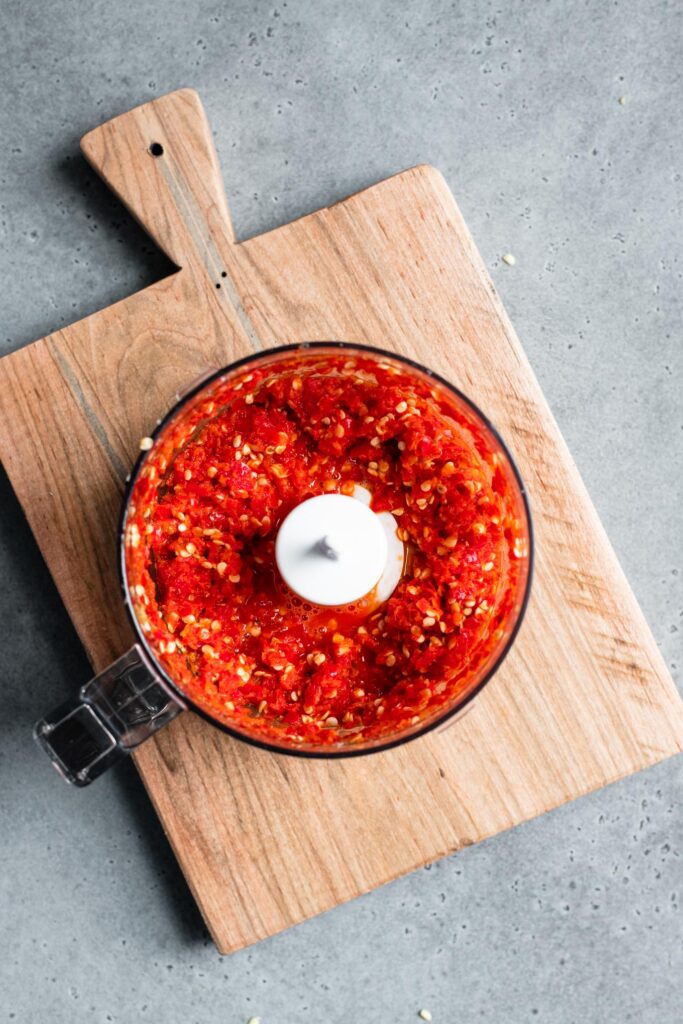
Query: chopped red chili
x=200 y=535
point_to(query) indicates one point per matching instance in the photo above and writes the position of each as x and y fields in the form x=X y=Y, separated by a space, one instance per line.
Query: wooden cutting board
x=583 y=699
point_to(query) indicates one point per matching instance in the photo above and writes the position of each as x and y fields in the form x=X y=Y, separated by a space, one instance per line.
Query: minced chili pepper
x=200 y=534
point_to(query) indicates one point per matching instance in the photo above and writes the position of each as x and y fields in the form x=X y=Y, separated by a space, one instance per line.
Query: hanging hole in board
x=156 y=149
x=224 y=273
x=218 y=284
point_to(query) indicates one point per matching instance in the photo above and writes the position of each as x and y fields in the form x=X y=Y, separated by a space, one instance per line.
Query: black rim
x=158 y=668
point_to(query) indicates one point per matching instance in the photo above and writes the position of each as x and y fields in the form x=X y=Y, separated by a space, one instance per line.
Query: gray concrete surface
x=574 y=917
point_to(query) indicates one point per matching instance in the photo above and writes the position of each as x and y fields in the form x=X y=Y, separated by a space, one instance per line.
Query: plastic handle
x=113 y=713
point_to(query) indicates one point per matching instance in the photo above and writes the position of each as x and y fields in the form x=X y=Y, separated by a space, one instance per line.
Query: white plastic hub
x=332 y=550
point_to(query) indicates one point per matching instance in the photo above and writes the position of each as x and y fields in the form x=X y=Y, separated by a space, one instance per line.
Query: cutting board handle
x=160 y=160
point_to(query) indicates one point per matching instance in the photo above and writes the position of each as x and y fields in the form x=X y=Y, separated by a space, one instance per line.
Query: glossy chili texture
x=201 y=529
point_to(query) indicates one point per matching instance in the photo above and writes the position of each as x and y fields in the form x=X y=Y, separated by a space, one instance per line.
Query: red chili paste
x=200 y=534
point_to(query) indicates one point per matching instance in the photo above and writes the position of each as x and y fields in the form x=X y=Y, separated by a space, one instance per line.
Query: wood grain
x=583 y=699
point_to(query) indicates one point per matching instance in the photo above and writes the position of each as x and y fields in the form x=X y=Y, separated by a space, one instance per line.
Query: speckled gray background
x=574 y=917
